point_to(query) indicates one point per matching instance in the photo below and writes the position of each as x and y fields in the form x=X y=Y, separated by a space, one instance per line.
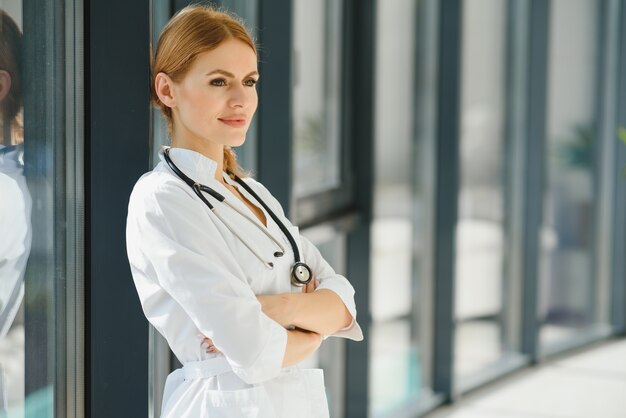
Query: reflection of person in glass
x=15 y=201
x=212 y=282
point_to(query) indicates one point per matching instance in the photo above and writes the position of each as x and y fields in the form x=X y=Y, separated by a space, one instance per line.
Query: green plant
x=621 y=134
x=311 y=136
x=574 y=151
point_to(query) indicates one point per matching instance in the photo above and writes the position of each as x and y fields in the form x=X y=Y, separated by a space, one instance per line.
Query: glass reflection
x=15 y=210
x=567 y=288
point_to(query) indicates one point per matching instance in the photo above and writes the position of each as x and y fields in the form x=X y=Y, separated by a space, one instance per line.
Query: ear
x=164 y=88
x=5 y=84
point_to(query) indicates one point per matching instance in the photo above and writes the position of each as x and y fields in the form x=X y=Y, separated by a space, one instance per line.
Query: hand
x=311 y=286
x=207 y=344
x=278 y=307
x=282 y=307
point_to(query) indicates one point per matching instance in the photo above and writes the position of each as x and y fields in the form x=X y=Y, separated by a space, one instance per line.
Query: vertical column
x=274 y=112
x=618 y=295
x=447 y=172
x=362 y=36
x=534 y=169
x=117 y=153
x=606 y=154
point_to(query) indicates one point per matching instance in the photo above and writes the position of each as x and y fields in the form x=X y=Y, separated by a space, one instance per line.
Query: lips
x=234 y=121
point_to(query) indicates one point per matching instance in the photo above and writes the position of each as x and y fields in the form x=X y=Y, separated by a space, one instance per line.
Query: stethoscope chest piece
x=300 y=274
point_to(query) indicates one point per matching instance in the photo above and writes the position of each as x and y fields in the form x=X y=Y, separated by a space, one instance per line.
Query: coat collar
x=197 y=166
x=11 y=159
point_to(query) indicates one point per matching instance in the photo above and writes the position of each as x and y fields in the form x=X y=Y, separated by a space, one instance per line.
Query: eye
x=219 y=82
x=250 y=83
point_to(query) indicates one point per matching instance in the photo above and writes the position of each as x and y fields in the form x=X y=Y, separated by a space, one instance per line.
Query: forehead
x=232 y=55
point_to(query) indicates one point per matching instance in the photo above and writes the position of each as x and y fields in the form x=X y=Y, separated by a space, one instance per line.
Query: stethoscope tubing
x=267 y=264
x=278 y=222
x=299 y=268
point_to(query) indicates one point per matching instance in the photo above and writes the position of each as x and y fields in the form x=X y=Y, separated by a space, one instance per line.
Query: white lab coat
x=16 y=233
x=194 y=277
x=15 y=243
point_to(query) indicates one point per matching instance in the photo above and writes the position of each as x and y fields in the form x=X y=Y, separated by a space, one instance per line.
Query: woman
x=15 y=210
x=217 y=279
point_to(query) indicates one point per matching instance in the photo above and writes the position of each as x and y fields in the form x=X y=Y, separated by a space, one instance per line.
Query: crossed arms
x=313 y=313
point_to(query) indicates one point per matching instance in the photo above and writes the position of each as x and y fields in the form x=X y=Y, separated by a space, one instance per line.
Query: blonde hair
x=192 y=31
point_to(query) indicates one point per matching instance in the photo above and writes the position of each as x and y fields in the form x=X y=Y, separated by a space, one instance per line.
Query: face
x=214 y=103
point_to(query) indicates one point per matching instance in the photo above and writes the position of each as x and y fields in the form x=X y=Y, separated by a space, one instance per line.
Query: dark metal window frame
x=618 y=300
x=446 y=200
x=534 y=167
x=360 y=31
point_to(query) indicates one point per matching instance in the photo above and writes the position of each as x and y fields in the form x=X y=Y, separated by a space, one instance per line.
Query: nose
x=239 y=97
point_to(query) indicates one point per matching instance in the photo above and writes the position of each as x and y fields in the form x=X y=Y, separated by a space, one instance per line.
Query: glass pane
x=160 y=14
x=567 y=288
x=331 y=354
x=34 y=203
x=15 y=210
x=158 y=351
x=395 y=366
x=316 y=96
x=399 y=231
x=480 y=229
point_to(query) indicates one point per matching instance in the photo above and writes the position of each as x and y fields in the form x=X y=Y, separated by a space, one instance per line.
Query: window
x=567 y=286
x=15 y=218
x=41 y=200
x=317 y=44
x=401 y=270
x=480 y=247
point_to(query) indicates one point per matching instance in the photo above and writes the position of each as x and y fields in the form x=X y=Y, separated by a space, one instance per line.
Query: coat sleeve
x=173 y=238
x=328 y=279
x=324 y=273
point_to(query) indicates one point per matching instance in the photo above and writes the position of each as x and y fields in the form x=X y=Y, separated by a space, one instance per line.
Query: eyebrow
x=229 y=74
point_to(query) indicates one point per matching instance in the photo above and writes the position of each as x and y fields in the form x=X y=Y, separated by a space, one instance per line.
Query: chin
x=237 y=142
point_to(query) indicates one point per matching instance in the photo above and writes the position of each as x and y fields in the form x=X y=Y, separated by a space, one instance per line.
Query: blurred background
x=461 y=162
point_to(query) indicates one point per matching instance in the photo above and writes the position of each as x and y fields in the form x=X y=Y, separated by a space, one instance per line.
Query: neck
x=210 y=150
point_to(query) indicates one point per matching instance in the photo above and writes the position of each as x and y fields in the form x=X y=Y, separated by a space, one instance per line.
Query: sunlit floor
x=589 y=384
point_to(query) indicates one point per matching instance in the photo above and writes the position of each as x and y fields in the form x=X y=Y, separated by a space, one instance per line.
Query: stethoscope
x=300 y=272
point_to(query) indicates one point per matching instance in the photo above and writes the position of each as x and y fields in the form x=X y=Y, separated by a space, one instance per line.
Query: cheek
x=254 y=100
x=199 y=106
x=200 y=99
